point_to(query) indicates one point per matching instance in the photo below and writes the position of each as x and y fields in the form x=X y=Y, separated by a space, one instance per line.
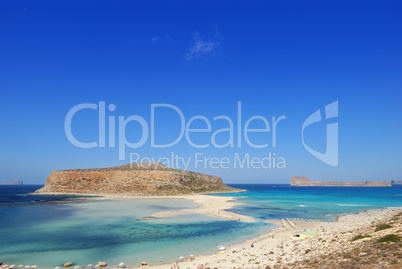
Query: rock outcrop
x=132 y=179
x=304 y=181
x=396 y=182
x=12 y=182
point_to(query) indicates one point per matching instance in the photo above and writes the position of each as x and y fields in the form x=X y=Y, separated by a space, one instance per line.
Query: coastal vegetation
x=357 y=237
x=382 y=227
x=389 y=238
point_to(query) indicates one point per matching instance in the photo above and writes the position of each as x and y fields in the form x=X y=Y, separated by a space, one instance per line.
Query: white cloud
x=200 y=47
x=217 y=33
x=155 y=40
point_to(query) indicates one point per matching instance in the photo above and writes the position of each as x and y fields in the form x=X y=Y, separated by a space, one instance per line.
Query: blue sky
x=277 y=58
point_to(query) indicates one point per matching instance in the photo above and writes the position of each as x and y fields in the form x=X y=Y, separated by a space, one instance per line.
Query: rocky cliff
x=303 y=181
x=132 y=179
x=12 y=182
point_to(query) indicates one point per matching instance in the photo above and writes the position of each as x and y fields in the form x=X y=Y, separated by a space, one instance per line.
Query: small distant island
x=12 y=182
x=136 y=179
x=304 y=181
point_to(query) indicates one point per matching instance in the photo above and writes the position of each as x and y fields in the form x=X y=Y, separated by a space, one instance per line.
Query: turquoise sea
x=112 y=231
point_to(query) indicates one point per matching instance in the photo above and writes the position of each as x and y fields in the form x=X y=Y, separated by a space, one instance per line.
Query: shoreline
x=277 y=248
x=274 y=248
x=128 y=195
x=211 y=205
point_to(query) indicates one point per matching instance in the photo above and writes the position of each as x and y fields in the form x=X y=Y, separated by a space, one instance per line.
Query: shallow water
x=112 y=231
x=285 y=201
x=16 y=195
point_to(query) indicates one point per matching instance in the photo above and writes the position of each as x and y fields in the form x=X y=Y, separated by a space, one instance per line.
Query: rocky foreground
x=137 y=179
x=377 y=245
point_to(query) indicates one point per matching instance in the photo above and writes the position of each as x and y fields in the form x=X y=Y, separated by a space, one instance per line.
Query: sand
x=210 y=205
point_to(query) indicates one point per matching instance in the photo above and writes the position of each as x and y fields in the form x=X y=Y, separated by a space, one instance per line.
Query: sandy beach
x=211 y=205
x=215 y=206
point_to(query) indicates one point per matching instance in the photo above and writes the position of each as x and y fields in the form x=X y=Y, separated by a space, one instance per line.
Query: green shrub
x=389 y=238
x=382 y=227
x=357 y=237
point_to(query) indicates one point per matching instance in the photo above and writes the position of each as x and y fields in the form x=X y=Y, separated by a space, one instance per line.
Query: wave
x=351 y=205
x=302 y=206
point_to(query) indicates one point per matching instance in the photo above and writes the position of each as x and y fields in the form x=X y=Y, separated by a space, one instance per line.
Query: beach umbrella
x=191 y=255
x=13 y=265
x=181 y=258
x=34 y=266
x=57 y=267
x=121 y=264
x=20 y=266
x=76 y=267
x=27 y=266
x=222 y=248
x=89 y=265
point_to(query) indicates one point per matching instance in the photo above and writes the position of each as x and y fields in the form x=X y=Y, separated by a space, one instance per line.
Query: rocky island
x=304 y=181
x=396 y=182
x=136 y=179
x=12 y=182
